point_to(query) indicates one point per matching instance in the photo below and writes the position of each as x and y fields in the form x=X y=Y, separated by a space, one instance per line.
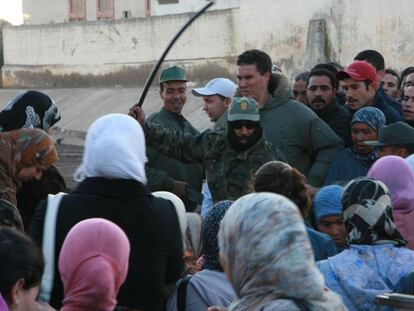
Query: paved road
x=80 y=107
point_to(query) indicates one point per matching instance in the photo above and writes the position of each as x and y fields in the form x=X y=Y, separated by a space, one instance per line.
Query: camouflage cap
x=173 y=73
x=243 y=108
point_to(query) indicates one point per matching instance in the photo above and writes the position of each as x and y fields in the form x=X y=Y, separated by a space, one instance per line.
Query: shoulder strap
x=48 y=245
x=182 y=292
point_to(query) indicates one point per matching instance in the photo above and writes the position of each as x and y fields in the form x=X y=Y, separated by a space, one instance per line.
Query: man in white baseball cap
x=217 y=96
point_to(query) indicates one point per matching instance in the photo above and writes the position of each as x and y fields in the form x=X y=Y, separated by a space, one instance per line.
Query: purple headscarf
x=3 y=305
x=397 y=175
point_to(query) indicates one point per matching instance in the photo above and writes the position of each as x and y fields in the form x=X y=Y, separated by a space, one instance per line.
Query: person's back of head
x=30 y=109
x=114 y=149
x=367 y=213
x=93 y=264
x=21 y=269
x=279 y=177
x=193 y=241
x=373 y=57
x=211 y=227
x=265 y=252
x=397 y=175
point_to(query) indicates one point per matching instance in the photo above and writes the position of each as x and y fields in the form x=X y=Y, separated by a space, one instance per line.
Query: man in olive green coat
x=309 y=144
x=166 y=173
x=230 y=158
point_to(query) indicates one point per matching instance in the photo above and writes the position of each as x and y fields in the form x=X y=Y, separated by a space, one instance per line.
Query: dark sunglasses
x=247 y=124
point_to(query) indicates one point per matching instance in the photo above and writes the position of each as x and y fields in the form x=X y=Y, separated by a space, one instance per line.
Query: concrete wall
x=110 y=50
x=102 y=47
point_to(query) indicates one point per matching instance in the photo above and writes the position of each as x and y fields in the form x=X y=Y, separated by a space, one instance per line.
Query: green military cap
x=398 y=133
x=173 y=73
x=243 y=108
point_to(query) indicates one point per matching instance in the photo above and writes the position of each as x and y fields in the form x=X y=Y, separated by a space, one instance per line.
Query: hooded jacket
x=309 y=144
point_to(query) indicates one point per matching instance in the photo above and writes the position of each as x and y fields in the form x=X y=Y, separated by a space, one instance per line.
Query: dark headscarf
x=9 y=215
x=31 y=109
x=367 y=213
x=211 y=228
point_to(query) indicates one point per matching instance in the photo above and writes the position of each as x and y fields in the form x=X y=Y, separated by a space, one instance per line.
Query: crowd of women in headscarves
x=111 y=244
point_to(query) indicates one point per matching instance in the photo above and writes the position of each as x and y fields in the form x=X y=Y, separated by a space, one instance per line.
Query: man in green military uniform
x=166 y=173
x=230 y=158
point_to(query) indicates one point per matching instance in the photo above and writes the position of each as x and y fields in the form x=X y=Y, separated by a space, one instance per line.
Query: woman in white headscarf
x=266 y=254
x=112 y=186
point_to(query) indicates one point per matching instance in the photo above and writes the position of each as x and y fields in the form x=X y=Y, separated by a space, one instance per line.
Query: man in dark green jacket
x=166 y=173
x=230 y=158
x=309 y=143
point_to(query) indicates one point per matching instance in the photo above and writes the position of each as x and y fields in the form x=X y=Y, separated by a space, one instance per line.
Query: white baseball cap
x=218 y=86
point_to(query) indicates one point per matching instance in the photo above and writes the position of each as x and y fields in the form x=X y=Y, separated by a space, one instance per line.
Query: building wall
x=39 y=12
x=57 y=11
x=280 y=28
x=105 y=47
x=184 y=6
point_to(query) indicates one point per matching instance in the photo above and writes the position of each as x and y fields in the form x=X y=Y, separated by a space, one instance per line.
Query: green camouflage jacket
x=229 y=172
x=163 y=171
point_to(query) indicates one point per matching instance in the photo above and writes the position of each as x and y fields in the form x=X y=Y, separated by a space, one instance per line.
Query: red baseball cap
x=359 y=70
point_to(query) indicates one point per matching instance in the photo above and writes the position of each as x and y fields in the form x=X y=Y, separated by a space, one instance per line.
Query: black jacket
x=339 y=119
x=150 y=223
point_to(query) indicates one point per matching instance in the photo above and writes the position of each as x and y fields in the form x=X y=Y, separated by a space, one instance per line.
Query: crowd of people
x=299 y=197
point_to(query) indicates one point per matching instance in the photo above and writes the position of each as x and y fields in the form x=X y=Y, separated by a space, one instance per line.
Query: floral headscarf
x=266 y=250
x=367 y=213
x=21 y=148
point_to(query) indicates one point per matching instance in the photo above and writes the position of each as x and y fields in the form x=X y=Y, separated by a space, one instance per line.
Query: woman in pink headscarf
x=93 y=264
x=398 y=176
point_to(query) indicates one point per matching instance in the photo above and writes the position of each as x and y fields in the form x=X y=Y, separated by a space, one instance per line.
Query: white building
x=37 y=12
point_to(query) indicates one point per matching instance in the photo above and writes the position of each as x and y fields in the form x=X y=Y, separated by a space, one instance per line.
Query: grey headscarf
x=269 y=258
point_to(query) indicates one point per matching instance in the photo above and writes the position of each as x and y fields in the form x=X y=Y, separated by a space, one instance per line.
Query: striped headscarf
x=367 y=213
x=268 y=257
x=22 y=148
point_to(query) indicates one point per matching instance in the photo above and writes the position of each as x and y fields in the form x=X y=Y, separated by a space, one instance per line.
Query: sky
x=11 y=11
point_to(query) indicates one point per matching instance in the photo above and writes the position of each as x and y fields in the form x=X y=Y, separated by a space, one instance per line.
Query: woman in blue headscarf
x=355 y=161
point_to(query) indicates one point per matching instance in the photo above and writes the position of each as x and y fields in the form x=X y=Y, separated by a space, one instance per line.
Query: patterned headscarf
x=10 y=216
x=265 y=247
x=367 y=213
x=93 y=264
x=20 y=148
x=31 y=109
x=374 y=117
x=211 y=228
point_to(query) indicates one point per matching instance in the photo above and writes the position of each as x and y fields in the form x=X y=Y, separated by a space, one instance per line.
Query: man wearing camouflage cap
x=168 y=174
x=230 y=157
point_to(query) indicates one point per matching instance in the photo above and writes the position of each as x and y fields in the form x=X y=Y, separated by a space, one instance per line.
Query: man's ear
x=402 y=152
x=266 y=75
x=398 y=94
x=16 y=292
x=227 y=102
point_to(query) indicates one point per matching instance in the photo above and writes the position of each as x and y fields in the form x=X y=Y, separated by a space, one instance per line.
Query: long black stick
x=158 y=65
